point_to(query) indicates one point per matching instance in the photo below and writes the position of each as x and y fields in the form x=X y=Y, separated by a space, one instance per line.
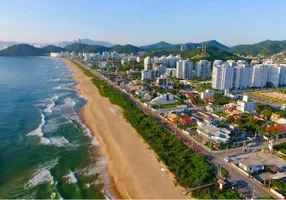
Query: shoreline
x=133 y=169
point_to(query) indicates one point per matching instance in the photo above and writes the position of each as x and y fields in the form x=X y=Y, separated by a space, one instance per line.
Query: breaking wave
x=71 y=178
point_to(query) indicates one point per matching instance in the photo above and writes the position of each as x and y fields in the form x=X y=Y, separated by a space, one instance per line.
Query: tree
x=266 y=113
x=230 y=119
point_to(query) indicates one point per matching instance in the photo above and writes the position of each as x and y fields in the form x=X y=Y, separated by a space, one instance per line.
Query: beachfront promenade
x=217 y=157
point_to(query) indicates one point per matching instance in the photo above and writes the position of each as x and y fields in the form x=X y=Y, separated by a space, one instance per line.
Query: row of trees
x=190 y=168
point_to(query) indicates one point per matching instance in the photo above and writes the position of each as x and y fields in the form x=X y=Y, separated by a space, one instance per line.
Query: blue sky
x=142 y=22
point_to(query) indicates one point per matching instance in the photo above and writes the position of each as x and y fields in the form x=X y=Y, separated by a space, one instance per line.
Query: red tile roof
x=280 y=128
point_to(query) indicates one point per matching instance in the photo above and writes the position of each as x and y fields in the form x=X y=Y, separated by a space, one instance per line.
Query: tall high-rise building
x=183 y=47
x=260 y=75
x=203 y=69
x=184 y=69
x=222 y=77
x=242 y=76
x=282 y=75
x=273 y=75
x=147 y=63
x=160 y=70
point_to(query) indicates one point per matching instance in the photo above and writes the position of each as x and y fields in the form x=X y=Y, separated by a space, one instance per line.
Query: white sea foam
x=82 y=96
x=61 y=74
x=59 y=141
x=44 y=140
x=51 y=104
x=54 y=123
x=55 y=79
x=53 y=195
x=98 y=168
x=39 y=131
x=71 y=178
x=95 y=142
x=86 y=130
x=68 y=84
x=58 y=87
x=49 y=107
x=40 y=177
x=55 y=97
x=64 y=87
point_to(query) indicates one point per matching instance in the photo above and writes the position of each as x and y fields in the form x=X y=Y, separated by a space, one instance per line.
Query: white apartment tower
x=260 y=75
x=203 y=69
x=147 y=63
x=273 y=75
x=222 y=77
x=282 y=75
x=184 y=69
x=242 y=76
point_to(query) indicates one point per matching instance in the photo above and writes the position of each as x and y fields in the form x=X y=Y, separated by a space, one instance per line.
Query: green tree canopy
x=266 y=113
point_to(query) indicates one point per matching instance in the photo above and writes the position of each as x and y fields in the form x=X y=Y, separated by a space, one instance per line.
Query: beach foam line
x=83 y=97
x=39 y=131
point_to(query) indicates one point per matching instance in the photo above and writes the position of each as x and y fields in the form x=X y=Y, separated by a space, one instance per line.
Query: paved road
x=217 y=157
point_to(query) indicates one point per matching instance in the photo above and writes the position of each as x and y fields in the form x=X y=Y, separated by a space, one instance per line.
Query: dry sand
x=133 y=167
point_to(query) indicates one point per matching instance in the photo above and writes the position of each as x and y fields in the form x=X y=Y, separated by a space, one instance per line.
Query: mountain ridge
x=28 y=50
x=266 y=48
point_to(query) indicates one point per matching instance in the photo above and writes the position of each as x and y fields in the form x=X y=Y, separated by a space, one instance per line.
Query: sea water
x=45 y=150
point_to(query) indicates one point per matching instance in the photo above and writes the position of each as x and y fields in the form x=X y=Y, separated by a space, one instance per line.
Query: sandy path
x=134 y=169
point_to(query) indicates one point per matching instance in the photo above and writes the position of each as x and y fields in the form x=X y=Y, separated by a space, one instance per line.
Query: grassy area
x=189 y=167
x=224 y=172
x=280 y=186
x=266 y=97
x=281 y=147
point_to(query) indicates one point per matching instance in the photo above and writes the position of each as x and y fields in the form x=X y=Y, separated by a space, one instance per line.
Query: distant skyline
x=142 y=22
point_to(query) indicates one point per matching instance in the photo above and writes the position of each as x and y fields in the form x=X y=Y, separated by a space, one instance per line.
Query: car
x=235 y=184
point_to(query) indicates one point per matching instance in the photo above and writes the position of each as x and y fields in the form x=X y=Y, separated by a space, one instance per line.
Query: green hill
x=125 y=49
x=85 y=48
x=266 y=48
x=158 y=45
x=52 y=48
x=213 y=53
x=28 y=50
x=164 y=46
x=22 y=50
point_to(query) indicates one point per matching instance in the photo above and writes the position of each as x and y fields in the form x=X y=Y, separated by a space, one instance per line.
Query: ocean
x=45 y=149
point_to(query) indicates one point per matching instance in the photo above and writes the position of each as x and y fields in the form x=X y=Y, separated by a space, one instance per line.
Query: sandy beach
x=133 y=168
